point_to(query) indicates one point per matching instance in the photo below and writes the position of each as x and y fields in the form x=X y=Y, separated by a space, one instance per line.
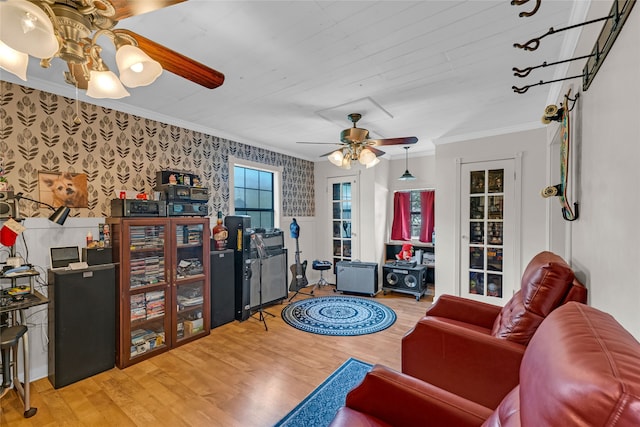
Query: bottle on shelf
x=220 y=234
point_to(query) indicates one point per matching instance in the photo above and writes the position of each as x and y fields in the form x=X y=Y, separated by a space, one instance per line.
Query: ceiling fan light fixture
x=27 y=28
x=105 y=84
x=406 y=176
x=13 y=61
x=336 y=157
x=136 y=68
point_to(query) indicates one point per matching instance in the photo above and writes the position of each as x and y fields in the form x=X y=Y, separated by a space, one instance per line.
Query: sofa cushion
x=581 y=369
x=545 y=284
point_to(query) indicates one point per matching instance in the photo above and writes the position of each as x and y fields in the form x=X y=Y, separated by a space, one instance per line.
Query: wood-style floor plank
x=239 y=375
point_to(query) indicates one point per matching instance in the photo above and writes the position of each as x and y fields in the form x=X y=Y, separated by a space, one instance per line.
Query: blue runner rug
x=320 y=407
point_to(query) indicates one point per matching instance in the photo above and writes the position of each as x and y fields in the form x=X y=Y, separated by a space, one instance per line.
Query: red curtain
x=427 y=209
x=401 y=227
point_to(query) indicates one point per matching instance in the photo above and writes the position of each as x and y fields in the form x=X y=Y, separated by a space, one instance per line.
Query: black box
x=95 y=256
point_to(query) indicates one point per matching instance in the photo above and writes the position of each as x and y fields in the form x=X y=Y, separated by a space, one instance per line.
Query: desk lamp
x=59 y=216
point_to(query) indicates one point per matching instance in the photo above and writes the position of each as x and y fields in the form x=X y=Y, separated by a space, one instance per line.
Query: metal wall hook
x=534 y=43
x=521 y=2
x=523 y=89
x=525 y=71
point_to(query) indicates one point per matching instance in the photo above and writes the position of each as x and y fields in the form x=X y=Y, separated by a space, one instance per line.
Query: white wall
x=605 y=238
x=532 y=145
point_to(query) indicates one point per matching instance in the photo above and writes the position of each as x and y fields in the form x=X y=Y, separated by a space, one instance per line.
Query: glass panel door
x=344 y=239
x=485 y=217
x=148 y=288
x=190 y=284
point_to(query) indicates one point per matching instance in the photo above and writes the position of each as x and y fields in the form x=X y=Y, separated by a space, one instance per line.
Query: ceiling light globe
x=136 y=68
x=105 y=84
x=27 y=28
x=13 y=61
x=366 y=156
x=336 y=157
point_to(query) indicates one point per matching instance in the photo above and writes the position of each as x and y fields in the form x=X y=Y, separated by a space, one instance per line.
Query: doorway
x=488 y=230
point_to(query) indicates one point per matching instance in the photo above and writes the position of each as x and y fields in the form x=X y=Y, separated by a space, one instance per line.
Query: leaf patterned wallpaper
x=118 y=150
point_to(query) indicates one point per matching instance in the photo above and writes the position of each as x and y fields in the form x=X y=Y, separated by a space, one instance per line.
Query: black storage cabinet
x=82 y=323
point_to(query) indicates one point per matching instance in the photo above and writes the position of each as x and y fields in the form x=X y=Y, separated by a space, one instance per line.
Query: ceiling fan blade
x=177 y=63
x=326 y=154
x=393 y=141
x=128 y=8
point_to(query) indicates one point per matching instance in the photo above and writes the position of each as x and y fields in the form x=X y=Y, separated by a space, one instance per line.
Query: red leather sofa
x=581 y=368
x=474 y=349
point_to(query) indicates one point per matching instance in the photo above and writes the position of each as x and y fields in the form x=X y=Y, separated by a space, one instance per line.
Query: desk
x=17 y=308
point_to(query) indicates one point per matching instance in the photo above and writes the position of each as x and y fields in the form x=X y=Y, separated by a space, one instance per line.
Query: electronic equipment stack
x=183 y=193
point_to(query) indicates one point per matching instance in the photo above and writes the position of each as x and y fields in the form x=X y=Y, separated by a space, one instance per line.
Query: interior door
x=344 y=215
x=487 y=224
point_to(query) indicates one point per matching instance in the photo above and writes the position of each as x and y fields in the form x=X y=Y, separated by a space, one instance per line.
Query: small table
x=9 y=304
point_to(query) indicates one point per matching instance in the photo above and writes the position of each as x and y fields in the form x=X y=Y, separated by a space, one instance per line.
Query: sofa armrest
x=397 y=399
x=465 y=310
x=469 y=363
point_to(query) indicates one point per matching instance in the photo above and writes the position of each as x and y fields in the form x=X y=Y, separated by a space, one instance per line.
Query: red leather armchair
x=475 y=349
x=581 y=368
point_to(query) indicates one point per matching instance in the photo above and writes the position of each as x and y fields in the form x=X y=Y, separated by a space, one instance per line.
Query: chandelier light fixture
x=69 y=30
x=343 y=157
x=406 y=176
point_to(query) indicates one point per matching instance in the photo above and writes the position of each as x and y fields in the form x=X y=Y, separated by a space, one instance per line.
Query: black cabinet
x=222 y=287
x=82 y=323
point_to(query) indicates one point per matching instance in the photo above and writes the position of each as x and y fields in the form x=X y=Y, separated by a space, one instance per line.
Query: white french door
x=488 y=258
x=344 y=216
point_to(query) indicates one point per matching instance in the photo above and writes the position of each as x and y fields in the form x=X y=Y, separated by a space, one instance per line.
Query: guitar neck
x=297 y=253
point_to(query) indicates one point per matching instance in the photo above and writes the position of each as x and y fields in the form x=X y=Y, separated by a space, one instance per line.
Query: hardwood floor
x=240 y=375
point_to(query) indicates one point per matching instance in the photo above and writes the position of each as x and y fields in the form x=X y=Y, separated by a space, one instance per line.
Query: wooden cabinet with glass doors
x=163 y=272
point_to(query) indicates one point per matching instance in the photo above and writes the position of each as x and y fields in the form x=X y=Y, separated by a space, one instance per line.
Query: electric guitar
x=298 y=270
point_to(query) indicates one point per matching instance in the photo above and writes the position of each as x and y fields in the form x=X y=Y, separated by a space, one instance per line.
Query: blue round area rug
x=338 y=315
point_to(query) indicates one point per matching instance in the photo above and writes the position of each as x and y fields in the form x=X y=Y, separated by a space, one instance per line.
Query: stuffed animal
x=406 y=253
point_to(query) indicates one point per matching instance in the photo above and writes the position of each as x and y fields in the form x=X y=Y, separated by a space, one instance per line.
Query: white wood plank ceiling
x=437 y=70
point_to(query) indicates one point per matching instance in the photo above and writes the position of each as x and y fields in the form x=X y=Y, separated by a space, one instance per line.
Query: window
x=413 y=215
x=253 y=195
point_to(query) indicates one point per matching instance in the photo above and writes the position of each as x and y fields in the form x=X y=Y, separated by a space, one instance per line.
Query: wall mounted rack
x=614 y=22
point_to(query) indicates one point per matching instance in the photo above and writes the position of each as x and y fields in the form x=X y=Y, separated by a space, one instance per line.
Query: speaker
x=410 y=279
x=8 y=205
x=358 y=277
x=222 y=287
x=97 y=256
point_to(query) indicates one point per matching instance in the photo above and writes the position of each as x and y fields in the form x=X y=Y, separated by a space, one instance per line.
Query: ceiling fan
x=69 y=29
x=356 y=145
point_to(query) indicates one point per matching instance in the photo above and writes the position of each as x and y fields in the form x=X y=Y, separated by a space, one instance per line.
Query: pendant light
x=406 y=176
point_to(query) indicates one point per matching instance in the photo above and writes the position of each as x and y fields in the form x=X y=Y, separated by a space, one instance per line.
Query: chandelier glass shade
x=105 y=84
x=13 y=61
x=135 y=66
x=46 y=30
x=26 y=28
